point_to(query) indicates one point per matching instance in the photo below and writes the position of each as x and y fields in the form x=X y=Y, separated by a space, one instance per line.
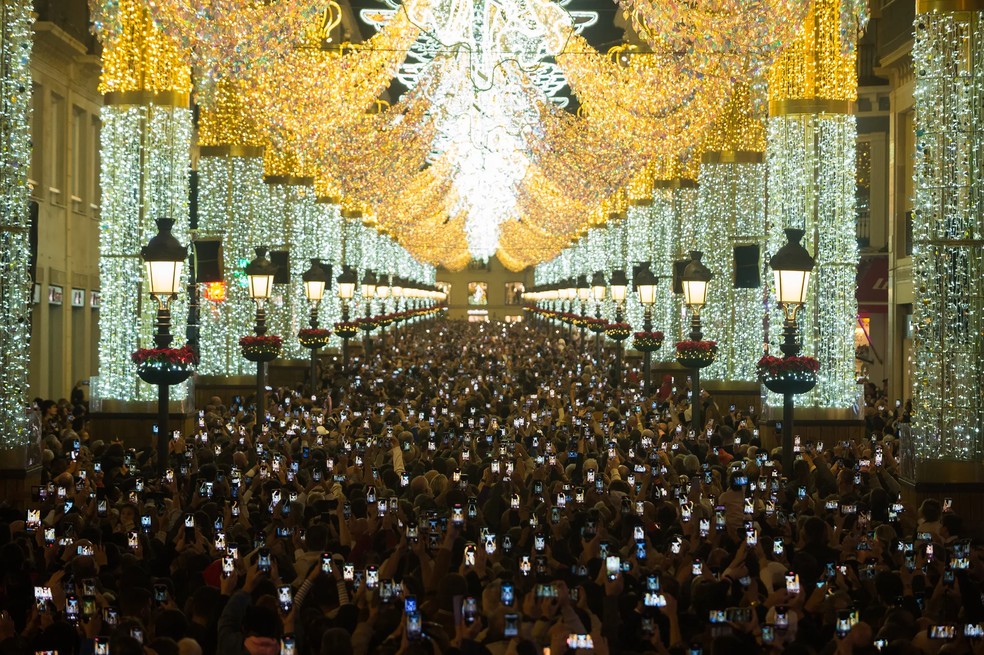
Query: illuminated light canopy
x=228 y=38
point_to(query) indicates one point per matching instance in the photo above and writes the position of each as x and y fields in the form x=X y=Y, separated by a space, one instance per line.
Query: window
x=94 y=169
x=58 y=149
x=514 y=293
x=80 y=154
x=37 y=142
x=478 y=293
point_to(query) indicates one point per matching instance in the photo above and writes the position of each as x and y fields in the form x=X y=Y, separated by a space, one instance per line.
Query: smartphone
x=507 y=596
x=469 y=610
x=285 y=598
x=511 y=628
x=288 y=646
x=413 y=626
x=263 y=560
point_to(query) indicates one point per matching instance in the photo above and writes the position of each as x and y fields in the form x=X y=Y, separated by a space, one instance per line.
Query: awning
x=872 y=292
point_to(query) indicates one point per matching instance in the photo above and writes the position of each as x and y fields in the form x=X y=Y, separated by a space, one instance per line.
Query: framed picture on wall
x=445 y=287
x=514 y=293
x=478 y=293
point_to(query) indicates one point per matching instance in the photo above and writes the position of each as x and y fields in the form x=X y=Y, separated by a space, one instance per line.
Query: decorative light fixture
x=164 y=259
x=696 y=278
x=315 y=279
x=346 y=290
x=645 y=283
x=260 y=273
x=791 y=265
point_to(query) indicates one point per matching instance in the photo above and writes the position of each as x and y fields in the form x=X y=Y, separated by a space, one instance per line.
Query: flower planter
x=618 y=332
x=346 y=330
x=314 y=339
x=367 y=326
x=688 y=361
x=163 y=374
x=260 y=353
x=793 y=383
x=646 y=345
x=597 y=326
x=696 y=354
x=264 y=348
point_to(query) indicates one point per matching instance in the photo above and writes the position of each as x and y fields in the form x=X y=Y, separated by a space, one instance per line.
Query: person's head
x=336 y=641
x=951 y=525
x=930 y=510
x=261 y=630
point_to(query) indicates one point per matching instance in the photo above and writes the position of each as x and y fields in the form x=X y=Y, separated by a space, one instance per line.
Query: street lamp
x=646 y=283
x=695 y=279
x=163 y=259
x=315 y=279
x=368 y=292
x=259 y=273
x=583 y=295
x=599 y=287
x=791 y=266
x=618 y=287
x=383 y=293
x=346 y=290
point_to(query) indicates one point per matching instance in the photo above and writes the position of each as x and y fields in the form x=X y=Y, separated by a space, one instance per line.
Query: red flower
x=255 y=341
x=183 y=356
x=776 y=366
x=655 y=336
x=314 y=333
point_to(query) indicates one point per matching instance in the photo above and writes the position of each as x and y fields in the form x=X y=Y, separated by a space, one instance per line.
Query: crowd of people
x=479 y=489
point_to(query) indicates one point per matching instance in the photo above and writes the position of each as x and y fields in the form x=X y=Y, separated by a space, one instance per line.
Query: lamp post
x=619 y=287
x=259 y=273
x=383 y=292
x=315 y=280
x=346 y=289
x=791 y=267
x=163 y=260
x=646 y=283
x=598 y=289
x=695 y=279
x=583 y=295
x=368 y=292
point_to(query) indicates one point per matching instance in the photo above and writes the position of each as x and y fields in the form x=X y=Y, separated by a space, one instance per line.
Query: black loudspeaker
x=678 y=267
x=209 y=259
x=747 y=267
x=281 y=259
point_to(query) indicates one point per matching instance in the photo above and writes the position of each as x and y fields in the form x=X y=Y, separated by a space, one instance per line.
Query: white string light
x=15 y=156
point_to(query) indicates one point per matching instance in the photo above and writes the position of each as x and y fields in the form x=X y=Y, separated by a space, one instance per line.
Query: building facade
x=64 y=181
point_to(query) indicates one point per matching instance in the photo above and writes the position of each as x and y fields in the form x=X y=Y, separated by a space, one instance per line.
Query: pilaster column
x=811 y=146
x=948 y=239
x=145 y=150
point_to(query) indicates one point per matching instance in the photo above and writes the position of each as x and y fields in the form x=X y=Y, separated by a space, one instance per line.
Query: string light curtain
x=233 y=201
x=145 y=150
x=811 y=138
x=947 y=265
x=731 y=212
x=16 y=39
